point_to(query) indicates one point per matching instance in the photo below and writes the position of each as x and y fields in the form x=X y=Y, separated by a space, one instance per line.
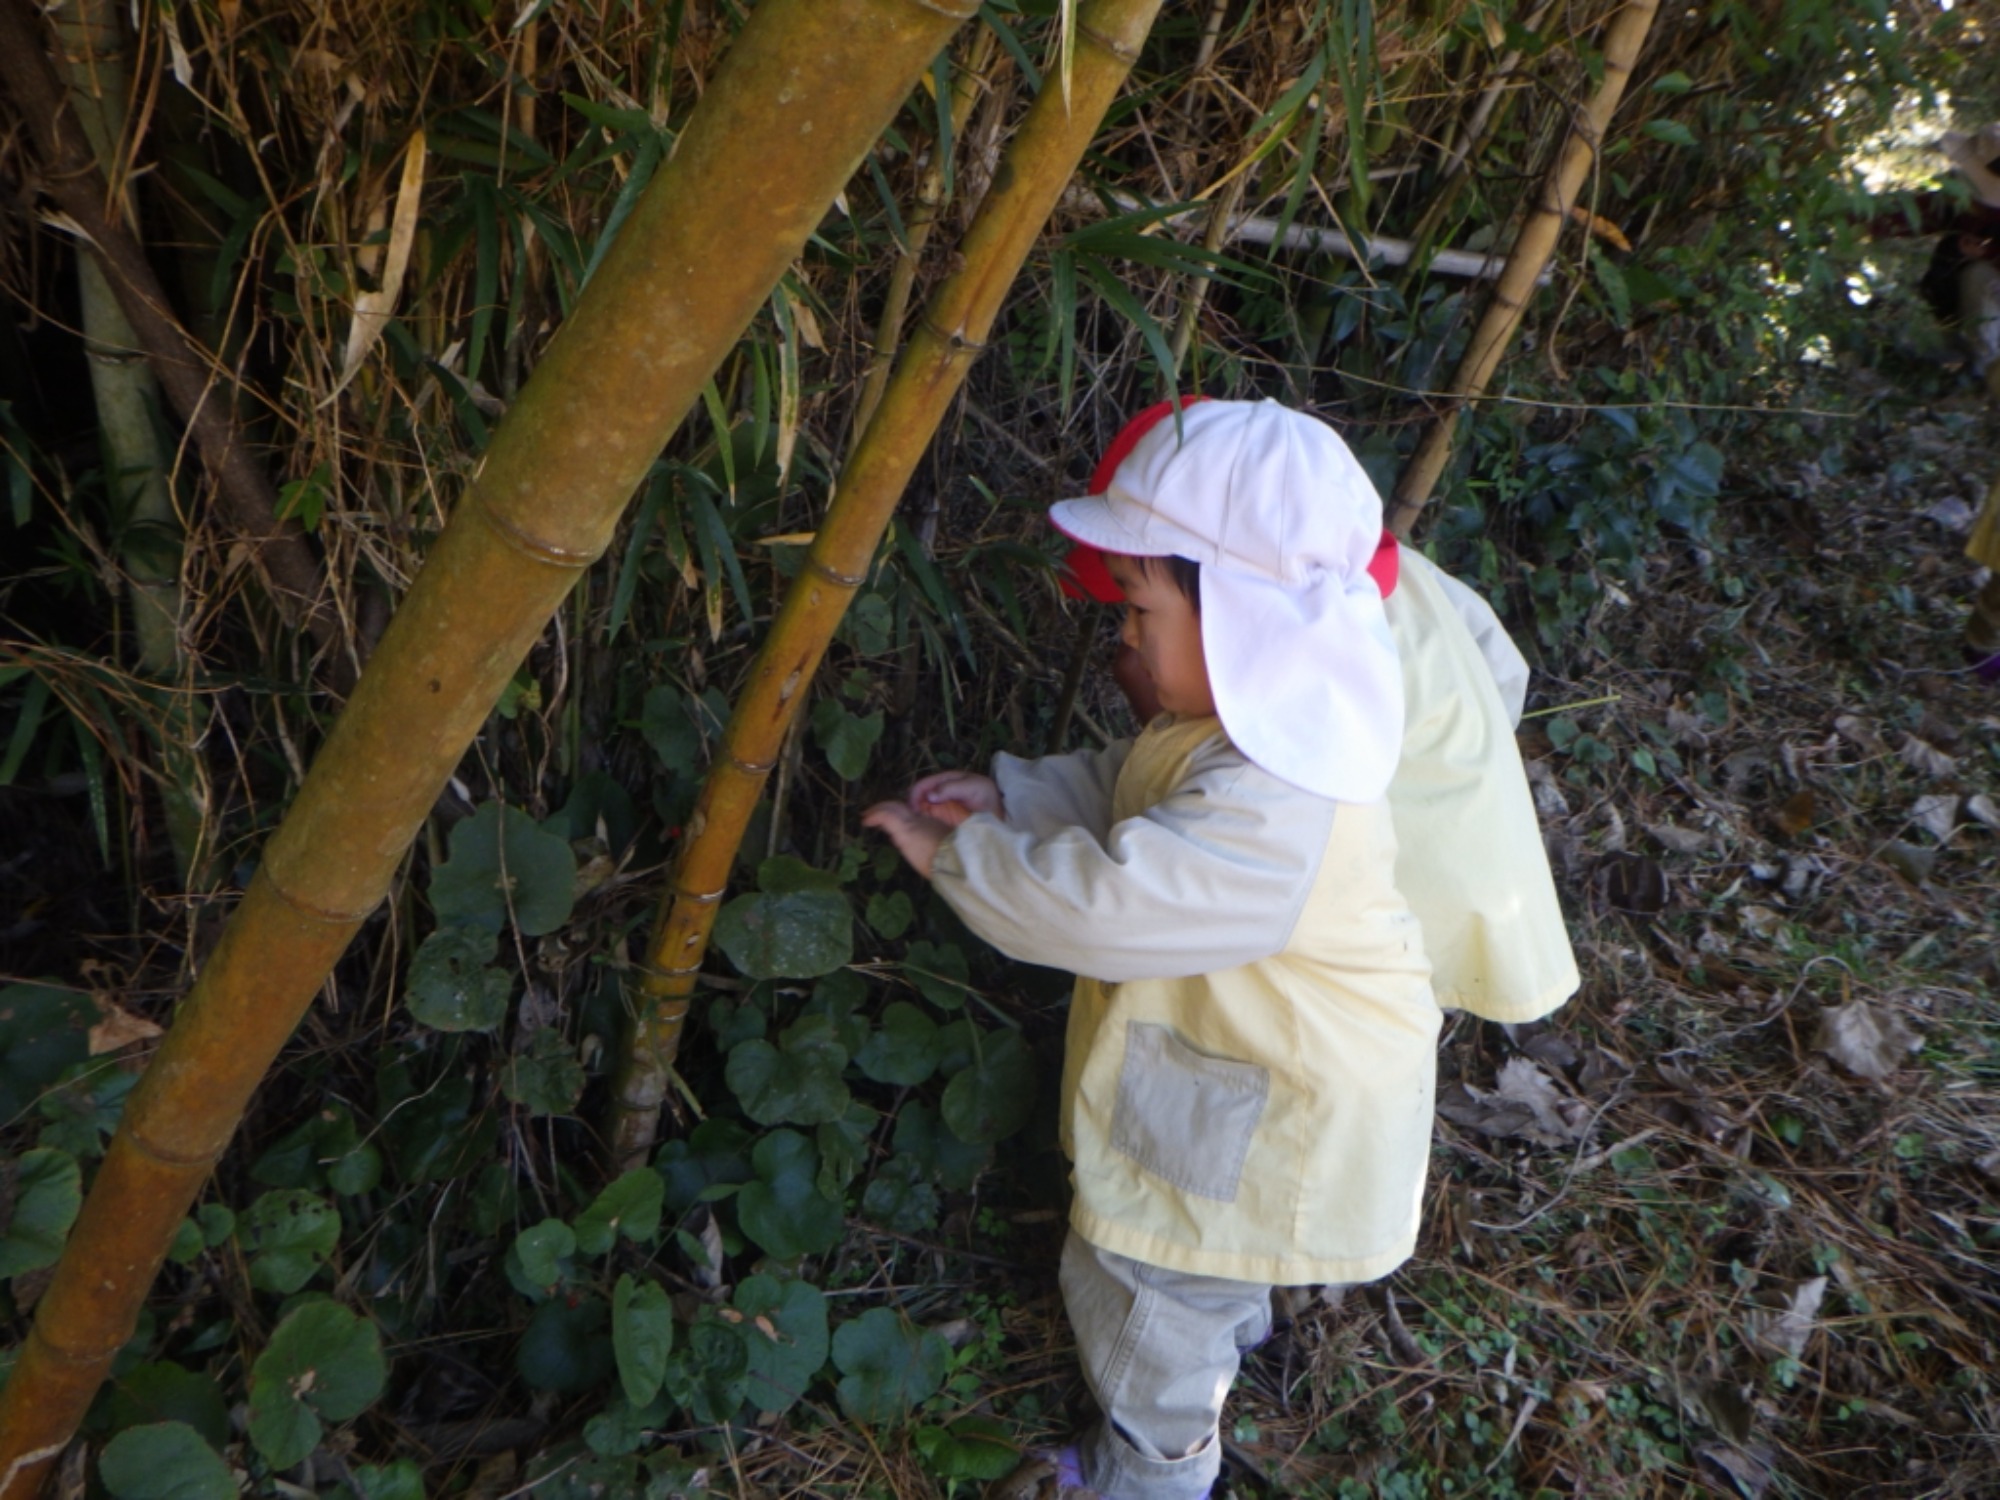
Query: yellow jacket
x=1250 y=1068
x=1472 y=862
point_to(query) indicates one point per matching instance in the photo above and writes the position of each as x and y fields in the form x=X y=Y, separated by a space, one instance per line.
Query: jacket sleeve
x=1212 y=877
x=1061 y=791
x=1503 y=657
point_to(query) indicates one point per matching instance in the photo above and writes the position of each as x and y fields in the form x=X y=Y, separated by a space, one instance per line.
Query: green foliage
x=288 y=1236
x=504 y=867
x=887 y=1367
x=323 y=1364
x=48 y=1192
x=452 y=984
x=642 y=1336
x=43 y=1030
x=164 y=1461
x=797 y=925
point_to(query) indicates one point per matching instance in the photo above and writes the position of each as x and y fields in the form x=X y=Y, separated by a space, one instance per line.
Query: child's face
x=1162 y=626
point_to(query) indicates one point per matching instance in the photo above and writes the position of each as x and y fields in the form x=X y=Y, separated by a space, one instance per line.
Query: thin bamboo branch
x=1366 y=249
x=952 y=331
x=1537 y=242
x=805 y=89
x=185 y=370
x=966 y=88
x=1460 y=156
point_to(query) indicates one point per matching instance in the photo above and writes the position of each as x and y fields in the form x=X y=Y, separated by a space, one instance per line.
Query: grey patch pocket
x=1185 y=1116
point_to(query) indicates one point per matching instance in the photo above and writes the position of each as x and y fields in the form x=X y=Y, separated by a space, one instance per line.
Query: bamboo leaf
x=372 y=310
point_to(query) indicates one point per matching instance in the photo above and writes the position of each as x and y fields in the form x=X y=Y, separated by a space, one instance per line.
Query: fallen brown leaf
x=1937 y=815
x=1866 y=1039
x=1921 y=755
x=1798 y=813
x=118 y=1027
x=1786 y=1332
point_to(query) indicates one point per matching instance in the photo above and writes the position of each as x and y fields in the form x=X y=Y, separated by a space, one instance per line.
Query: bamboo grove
x=529 y=515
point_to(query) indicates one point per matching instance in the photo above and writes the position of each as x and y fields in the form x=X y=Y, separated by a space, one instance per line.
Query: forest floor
x=1727 y=1222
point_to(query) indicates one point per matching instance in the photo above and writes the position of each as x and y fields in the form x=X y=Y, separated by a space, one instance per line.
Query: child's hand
x=915 y=836
x=953 y=796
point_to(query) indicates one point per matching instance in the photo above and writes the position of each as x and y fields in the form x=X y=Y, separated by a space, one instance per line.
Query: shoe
x=1045 y=1474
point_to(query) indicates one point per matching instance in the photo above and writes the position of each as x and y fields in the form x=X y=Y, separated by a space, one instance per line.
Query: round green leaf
x=43 y=1032
x=630 y=1206
x=546 y=1079
x=542 y=1253
x=992 y=1098
x=289 y=1235
x=939 y=972
x=888 y=1366
x=401 y=1480
x=955 y=1163
x=847 y=739
x=708 y=1375
x=901 y=1197
x=48 y=1191
x=166 y=1392
x=565 y=1348
x=783 y=1210
x=976 y=1448
x=785 y=1332
x=642 y=1336
x=905 y=1051
x=715 y=1152
x=501 y=859
x=891 y=914
x=451 y=987
x=796 y=1082
x=164 y=1461
x=324 y=1363
x=787 y=935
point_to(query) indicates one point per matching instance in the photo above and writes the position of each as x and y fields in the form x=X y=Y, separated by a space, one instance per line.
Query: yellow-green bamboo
x=1532 y=249
x=1030 y=179
x=805 y=89
x=966 y=86
x=70 y=177
x=127 y=396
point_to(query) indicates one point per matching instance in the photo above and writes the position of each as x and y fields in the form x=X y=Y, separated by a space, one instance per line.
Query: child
x=1248 y=1081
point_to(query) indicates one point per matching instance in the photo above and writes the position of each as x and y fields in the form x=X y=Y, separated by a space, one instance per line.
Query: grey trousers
x=1160 y=1350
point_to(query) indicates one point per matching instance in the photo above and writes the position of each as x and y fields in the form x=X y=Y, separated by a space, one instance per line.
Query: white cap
x=1284 y=522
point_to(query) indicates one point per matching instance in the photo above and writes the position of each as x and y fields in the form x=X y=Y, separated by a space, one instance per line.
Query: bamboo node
x=959 y=12
x=703 y=898
x=754 y=768
x=960 y=344
x=1127 y=55
x=307 y=909
x=848 y=581
x=533 y=548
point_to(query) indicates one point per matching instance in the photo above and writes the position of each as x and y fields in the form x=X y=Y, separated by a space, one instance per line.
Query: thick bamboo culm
x=950 y=334
x=1536 y=243
x=807 y=87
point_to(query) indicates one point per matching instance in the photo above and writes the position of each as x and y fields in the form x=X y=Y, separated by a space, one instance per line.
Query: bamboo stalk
x=1537 y=241
x=1026 y=188
x=185 y=370
x=126 y=395
x=805 y=89
x=966 y=86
